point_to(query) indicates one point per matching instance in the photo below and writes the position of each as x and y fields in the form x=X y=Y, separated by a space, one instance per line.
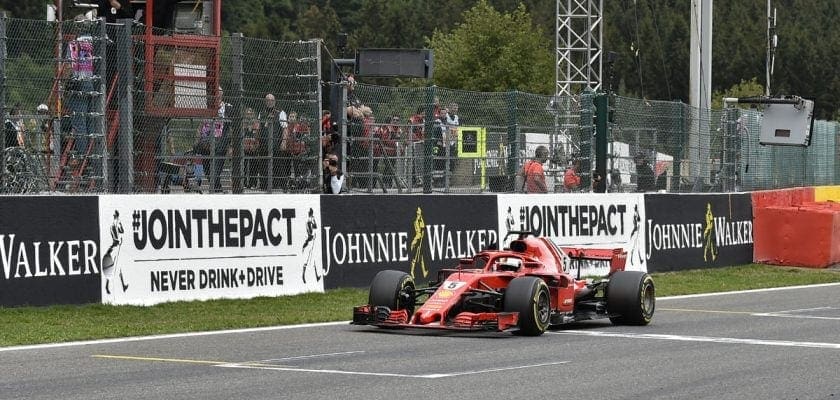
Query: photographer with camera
x=333 y=178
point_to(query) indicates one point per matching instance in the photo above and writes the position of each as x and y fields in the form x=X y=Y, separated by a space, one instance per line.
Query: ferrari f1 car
x=524 y=288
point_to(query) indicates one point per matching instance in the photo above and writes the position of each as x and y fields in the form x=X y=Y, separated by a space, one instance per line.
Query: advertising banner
x=49 y=250
x=686 y=231
x=588 y=220
x=418 y=234
x=185 y=247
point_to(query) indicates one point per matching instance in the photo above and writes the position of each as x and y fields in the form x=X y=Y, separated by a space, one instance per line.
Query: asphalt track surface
x=778 y=344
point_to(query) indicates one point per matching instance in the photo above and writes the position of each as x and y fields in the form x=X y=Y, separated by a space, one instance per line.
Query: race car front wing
x=465 y=321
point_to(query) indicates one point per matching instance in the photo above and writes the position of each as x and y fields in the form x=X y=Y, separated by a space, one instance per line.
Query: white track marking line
x=701 y=339
x=168 y=336
x=803 y=309
x=691 y=296
x=795 y=313
x=385 y=374
x=343 y=353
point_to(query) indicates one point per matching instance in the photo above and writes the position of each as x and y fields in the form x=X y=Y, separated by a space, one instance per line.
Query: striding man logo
x=710 y=250
x=417 y=244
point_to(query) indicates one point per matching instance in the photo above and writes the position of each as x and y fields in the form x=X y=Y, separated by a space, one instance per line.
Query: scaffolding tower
x=579 y=45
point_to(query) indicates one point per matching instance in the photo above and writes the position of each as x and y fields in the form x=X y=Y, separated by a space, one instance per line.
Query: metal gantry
x=579 y=46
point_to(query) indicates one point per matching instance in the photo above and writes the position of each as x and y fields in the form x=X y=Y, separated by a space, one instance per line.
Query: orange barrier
x=782 y=197
x=806 y=235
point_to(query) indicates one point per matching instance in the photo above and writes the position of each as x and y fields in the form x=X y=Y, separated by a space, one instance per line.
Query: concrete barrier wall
x=797 y=227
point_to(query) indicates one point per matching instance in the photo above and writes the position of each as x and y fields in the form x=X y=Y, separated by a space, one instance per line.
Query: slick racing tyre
x=631 y=298
x=392 y=289
x=528 y=295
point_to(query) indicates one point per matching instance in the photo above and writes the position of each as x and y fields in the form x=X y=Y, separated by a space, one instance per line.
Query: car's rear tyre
x=631 y=298
x=392 y=289
x=529 y=296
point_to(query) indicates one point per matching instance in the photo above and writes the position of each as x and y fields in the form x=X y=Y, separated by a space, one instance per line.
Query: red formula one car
x=524 y=289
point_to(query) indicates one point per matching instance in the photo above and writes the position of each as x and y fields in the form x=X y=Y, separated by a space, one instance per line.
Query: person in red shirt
x=571 y=179
x=534 y=173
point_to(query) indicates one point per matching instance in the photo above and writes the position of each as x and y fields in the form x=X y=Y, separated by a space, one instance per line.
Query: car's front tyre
x=529 y=296
x=392 y=289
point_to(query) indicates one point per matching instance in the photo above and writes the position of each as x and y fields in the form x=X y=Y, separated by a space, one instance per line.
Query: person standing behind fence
x=250 y=146
x=272 y=123
x=79 y=91
x=534 y=173
x=645 y=180
x=298 y=148
x=385 y=149
x=571 y=178
x=14 y=129
x=213 y=140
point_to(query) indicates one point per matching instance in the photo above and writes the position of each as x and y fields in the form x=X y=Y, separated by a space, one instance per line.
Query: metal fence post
x=100 y=138
x=428 y=139
x=676 y=179
x=601 y=113
x=124 y=153
x=3 y=19
x=235 y=117
x=513 y=140
x=586 y=132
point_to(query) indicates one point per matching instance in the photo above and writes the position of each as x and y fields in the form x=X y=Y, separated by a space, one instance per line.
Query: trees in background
x=652 y=38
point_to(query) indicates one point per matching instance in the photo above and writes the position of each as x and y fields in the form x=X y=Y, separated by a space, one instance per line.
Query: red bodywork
x=484 y=278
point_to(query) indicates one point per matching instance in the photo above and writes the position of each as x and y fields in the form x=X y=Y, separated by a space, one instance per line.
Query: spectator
x=300 y=148
x=571 y=178
x=596 y=182
x=534 y=173
x=645 y=181
x=213 y=140
x=112 y=10
x=329 y=136
x=272 y=122
x=450 y=137
x=282 y=167
x=452 y=118
x=250 y=146
x=14 y=129
x=79 y=88
x=44 y=123
x=385 y=149
x=417 y=120
x=292 y=149
x=333 y=178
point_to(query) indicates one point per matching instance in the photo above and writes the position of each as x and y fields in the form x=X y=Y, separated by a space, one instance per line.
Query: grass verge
x=30 y=325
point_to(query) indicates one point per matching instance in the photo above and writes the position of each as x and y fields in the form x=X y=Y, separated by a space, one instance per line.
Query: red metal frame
x=182 y=42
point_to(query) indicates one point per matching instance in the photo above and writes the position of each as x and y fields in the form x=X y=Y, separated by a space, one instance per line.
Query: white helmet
x=43 y=108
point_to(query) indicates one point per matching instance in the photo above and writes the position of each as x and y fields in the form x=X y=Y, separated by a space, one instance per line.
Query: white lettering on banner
x=570 y=221
x=355 y=248
x=448 y=244
x=23 y=260
x=673 y=236
x=200 y=228
x=732 y=233
x=443 y=243
x=690 y=235
x=215 y=278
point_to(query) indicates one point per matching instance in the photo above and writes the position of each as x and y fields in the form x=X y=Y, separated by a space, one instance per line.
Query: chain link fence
x=115 y=108
x=434 y=139
x=91 y=107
